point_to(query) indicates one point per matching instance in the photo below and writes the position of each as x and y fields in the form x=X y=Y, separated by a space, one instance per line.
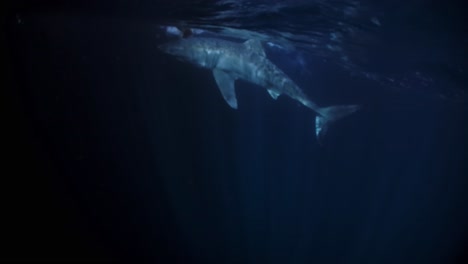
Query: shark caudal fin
x=328 y=115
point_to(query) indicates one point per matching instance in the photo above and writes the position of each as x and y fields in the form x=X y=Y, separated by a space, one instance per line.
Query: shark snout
x=169 y=48
x=162 y=47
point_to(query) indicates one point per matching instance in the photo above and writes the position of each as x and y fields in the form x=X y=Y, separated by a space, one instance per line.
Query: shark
x=230 y=61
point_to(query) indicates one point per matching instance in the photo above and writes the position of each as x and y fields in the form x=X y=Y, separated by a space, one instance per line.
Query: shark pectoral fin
x=255 y=45
x=226 y=86
x=273 y=94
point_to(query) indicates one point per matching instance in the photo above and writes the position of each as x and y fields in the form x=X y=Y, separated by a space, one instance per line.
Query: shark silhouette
x=230 y=61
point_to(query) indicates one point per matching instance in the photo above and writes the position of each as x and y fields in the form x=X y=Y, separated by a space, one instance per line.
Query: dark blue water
x=120 y=152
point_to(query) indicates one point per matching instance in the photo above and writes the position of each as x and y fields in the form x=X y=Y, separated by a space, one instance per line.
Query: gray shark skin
x=230 y=61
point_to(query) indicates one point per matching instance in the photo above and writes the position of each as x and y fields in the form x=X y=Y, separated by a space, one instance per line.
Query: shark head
x=177 y=48
x=173 y=48
x=197 y=51
x=182 y=49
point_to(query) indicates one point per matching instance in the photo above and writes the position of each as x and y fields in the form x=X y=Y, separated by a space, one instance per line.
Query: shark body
x=230 y=61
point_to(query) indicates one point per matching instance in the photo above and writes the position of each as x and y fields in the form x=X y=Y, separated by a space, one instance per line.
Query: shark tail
x=329 y=115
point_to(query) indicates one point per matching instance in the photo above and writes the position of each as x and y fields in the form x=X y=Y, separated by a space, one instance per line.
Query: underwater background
x=116 y=151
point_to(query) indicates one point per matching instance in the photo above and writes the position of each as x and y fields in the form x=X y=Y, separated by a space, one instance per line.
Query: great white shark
x=230 y=61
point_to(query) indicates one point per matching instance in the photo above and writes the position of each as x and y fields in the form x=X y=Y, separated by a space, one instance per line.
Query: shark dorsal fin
x=255 y=45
